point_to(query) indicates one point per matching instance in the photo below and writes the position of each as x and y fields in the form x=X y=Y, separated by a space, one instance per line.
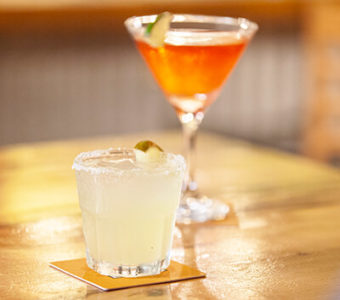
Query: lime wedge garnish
x=155 y=32
x=148 y=151
x=146 y=145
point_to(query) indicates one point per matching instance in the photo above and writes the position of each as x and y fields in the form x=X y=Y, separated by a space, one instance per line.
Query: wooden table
x=287 y=244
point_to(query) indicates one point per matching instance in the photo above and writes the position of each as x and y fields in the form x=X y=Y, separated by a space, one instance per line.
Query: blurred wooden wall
x=71 y=71
x=321 y=134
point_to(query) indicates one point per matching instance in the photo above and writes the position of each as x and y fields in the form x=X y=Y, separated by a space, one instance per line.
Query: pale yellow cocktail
x=128 y=209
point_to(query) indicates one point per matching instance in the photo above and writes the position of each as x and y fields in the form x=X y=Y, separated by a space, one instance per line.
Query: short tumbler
x=128 y=210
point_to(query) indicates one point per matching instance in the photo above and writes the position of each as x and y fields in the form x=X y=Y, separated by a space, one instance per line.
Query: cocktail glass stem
x=189 y=140
x=195 y=207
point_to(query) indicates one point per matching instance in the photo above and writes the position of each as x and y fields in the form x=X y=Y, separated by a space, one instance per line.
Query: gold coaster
x=78 y=268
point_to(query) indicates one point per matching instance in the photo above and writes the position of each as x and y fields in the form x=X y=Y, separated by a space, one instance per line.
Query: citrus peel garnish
x=155 y=32
x=148 y=151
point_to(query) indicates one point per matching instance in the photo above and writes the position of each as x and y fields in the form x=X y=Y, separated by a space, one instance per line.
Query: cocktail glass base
x=196 y=208
x=117 y=271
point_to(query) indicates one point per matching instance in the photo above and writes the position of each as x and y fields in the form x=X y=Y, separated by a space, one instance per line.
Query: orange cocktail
x=191 y=75
x=190 y=62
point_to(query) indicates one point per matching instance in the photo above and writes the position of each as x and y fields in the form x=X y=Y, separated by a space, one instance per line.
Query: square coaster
x=78 y=268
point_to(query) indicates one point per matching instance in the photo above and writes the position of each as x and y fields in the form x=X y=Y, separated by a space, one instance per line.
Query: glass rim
x=243 y=26
x=174 y=162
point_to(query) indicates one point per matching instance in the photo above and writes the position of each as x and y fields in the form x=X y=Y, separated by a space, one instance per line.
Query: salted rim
x=173 y=163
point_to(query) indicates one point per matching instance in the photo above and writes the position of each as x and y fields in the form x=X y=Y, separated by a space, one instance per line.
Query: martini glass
x=198 y=54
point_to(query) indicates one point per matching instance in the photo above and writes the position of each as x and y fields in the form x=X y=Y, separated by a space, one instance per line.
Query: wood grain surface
x=287 y=244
